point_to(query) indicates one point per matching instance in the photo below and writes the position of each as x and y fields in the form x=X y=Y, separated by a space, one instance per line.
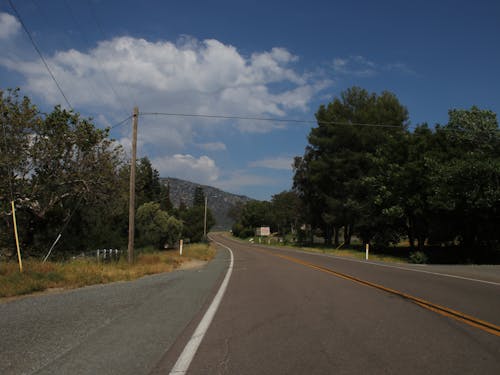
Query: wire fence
x=102 y=255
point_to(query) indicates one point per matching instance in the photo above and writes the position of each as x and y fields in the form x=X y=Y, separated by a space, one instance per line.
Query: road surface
x=120 y=328
x=283 y=312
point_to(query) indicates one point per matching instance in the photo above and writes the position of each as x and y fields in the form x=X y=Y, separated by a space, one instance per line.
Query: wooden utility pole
x=205 y=221
x=131 y=209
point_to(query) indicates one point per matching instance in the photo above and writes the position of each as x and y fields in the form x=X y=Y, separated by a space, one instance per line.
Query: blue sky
x=255 y=58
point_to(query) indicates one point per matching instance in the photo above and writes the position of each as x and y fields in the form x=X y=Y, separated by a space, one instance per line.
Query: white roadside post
x=180 y=247
x=367 y=249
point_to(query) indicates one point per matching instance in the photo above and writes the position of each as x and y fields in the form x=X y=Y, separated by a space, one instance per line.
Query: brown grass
x=38 y=276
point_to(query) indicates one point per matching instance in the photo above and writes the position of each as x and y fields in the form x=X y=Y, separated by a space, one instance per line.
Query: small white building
x=263 y=231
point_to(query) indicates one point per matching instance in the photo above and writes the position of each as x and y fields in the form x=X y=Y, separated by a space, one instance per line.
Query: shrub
x=418 y=257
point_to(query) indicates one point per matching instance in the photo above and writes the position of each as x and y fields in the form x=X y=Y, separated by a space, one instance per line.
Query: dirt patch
x=192 y=264
x=44 y=292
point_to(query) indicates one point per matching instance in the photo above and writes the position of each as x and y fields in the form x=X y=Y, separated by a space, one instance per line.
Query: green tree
x=466 y=176
x=340 y=154
x=440 y=185
x=199 y=197
x=166 y=202
x=193 y=220
x=194 y=216
x=286 y=211
x=60 y=162
x=253 y=214
x=401 y=187
x=148 y=185
x=156 y=227
x=18 y=116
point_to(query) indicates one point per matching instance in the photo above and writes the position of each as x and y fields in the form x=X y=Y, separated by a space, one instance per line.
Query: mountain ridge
x=219 y=201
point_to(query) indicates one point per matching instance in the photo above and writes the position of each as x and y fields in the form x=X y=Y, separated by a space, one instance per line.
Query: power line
x=39 y=53
x=94 y=16
x=99 y=62
x=266 y=119
x=223 y=117
x=121 y=122
x=78 y=25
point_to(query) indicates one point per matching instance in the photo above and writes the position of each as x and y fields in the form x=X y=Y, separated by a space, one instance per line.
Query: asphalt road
x=284 y=312
x=281 y=316
x=119 y=328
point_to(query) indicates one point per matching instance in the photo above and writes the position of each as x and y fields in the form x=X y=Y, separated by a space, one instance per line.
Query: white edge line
x=389 y=266
x=187 y=355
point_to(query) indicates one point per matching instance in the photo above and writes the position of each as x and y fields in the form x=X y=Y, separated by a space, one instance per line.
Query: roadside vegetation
x=69 y=182
x=38 y=276
x=67 y=176
x=393 y=255
x=435 y=189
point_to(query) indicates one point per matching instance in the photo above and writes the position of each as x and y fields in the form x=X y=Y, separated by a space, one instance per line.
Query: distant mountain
x=219 y=202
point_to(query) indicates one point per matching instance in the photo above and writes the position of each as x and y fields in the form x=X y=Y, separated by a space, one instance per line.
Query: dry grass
x=349 y=253
x=38 y=276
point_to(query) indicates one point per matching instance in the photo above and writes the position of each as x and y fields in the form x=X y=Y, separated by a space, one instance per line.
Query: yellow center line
x=442 y=310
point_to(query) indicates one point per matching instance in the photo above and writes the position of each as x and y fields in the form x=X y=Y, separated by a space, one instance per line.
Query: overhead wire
x=39 y=52
x=170 y=114
x=121 y=122
x=95 y=17
x=78 y=26
x=265 y=119
x=32 y=40
x=107 y=80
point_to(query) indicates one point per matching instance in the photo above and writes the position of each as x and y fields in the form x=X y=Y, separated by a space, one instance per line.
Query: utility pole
x=205 y=221
x=131 y=209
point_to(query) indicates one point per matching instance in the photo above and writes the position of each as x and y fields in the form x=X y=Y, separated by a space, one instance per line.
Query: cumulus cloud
x=187 y=76
x=195 y=77
x=281 y=162
x=9 y=25
x=202 y=170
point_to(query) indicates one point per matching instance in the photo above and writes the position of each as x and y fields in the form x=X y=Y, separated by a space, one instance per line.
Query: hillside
x=219 y=202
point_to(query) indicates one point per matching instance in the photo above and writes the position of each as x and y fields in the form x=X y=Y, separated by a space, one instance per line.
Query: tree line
x=366 y=175
x=67 y=176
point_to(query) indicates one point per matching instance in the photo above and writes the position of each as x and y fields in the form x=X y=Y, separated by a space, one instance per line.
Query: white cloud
x=400 y=68
x=212 y=146
x=190 y=76
x=194 y=77
x=360 y=66
x=202 y=170
x=281 y=162
x=9 y=26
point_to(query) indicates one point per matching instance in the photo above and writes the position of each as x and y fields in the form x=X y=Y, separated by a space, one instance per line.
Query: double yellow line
x=450 y=313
